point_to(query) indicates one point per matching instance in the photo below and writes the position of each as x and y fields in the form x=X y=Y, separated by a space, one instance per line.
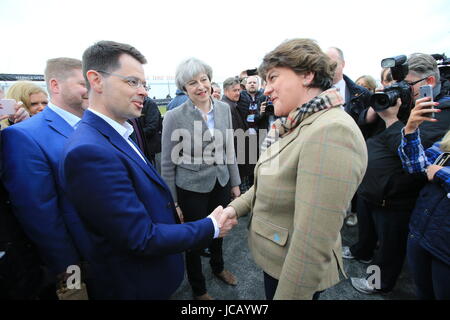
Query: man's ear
x=431 y=80
x=95 y=81
x=54 y=86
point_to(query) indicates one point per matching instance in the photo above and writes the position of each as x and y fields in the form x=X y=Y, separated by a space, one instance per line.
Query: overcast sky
x=229 y=35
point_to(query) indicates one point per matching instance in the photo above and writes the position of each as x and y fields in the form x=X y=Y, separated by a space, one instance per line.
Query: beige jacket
x=303 y=186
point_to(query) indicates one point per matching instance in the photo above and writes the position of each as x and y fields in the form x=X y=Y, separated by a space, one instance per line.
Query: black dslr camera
x=401 y=89
x=269 y=106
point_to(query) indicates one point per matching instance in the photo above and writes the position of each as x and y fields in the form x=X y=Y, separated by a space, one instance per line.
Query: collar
x=228 y=100
x=70 y=118
x=210 y=110
x=124 y=130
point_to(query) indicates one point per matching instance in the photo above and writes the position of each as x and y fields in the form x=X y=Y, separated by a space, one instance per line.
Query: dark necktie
x=137 y=134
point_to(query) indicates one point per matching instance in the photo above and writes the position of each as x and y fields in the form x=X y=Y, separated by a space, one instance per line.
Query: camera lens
x=379 y=101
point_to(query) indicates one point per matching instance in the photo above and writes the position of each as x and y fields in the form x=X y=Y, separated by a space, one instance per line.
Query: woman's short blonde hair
x=302 y=56
x=445 y=143
x=370 y=82
x=22 y=90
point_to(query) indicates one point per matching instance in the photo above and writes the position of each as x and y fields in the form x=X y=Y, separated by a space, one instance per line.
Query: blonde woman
x=367 y=82
x=33 y=97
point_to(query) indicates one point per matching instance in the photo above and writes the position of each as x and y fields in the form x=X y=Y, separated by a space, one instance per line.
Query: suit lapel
x=119 y=143
x=197 y=116
x=57 y=123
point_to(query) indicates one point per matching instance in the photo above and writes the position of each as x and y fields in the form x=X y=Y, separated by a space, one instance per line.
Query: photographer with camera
x=387 y=194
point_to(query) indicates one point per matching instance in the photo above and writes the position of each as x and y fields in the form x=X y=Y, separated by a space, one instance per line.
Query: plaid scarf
x=328 y=99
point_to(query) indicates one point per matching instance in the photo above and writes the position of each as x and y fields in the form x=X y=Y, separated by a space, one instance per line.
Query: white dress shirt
x=341 y=86
x=208 y=117
x=69 y=117
x=125 y=130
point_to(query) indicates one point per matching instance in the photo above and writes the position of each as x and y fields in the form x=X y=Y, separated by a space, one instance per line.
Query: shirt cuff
x=411 y=136
x=216 y=227
x=442 y=175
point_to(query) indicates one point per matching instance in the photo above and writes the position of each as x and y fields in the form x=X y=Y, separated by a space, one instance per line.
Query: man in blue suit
x=122 y=201
x=31 y=151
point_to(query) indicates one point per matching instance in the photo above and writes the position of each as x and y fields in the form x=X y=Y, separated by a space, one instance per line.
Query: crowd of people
x=295 y=144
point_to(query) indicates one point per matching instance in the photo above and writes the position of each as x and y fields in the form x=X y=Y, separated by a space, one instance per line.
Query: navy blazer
x=31 y=151
x=129 y=214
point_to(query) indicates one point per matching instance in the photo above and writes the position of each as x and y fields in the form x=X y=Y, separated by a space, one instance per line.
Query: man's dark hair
x=104 y=56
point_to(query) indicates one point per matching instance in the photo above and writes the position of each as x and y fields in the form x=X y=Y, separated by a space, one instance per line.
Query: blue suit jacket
x=128 y=212
x=31 y=151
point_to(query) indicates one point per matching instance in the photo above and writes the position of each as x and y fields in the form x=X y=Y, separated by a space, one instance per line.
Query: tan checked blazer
x=303 y=186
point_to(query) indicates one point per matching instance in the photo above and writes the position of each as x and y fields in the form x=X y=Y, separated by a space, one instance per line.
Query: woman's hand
x=431 y=171
x=20 y=115
x=235 y=192
x=419 y=114
x=179 y=212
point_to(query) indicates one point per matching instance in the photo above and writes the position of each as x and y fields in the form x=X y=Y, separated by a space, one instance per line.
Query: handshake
x=226 y=219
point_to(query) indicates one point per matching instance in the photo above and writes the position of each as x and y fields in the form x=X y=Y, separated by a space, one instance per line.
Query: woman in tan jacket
x=309 y=169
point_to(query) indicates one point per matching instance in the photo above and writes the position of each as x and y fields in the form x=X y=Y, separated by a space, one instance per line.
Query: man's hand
x=262 y=107
x=419 y=114
x=224 y=222
x=230 y=212
x=390 y=114
x=431 y=171
x=371 y=115
x=235 y=192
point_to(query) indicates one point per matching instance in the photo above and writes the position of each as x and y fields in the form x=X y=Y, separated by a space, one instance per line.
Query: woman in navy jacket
x=429 y=235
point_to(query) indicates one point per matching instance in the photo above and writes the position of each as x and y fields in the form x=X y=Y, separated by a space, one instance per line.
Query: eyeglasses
x=132 y=81
x=416 y=82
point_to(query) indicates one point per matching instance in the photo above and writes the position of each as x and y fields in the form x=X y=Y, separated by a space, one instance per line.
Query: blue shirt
x=415 y=159
x=69 y=117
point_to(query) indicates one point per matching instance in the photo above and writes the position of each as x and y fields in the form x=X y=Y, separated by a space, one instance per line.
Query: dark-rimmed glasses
x=416 y=82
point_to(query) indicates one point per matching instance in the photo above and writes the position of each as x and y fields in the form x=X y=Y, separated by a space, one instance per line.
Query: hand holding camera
x=267 y=107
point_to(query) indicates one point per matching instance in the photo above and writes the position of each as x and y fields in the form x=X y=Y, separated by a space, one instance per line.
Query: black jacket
x=246 y=168
x=385 y=182
x=22 y=273
x=151 y=123
x=357 y=100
